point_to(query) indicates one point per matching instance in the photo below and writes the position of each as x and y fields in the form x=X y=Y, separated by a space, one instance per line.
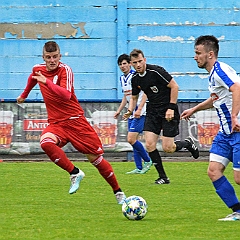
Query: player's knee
x=93 y=157
x=168 y=149
x=210 y=173
x=131 y=141
x=132 y=137
x=214 y=174
x=237 y=177
x=150 y=146
x=237 y=181
x=46 y=143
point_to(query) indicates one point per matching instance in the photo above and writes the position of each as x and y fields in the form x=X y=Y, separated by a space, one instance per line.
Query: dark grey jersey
x=154 y=84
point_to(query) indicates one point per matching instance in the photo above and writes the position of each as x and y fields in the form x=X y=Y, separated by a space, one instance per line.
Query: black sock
x=181 y=144
x=74 y=171
x=236 y=207
x=119 y=190
x=157 y=161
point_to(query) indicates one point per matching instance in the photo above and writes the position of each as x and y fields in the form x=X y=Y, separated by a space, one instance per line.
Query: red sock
x=106 y=170
x=56 y=154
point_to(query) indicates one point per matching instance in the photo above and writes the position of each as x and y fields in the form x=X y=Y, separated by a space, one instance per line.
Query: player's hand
x=137 y=114
x=169 y=115
x=20 y=100
x=116 y=115
x=186 y=114
x=127 y=115
x=39 y=77
x=235 y=125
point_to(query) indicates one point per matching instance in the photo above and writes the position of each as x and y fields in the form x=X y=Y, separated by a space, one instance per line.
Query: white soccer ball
x=134 y=208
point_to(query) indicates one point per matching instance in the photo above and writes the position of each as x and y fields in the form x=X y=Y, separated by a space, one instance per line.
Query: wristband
x=172 y=106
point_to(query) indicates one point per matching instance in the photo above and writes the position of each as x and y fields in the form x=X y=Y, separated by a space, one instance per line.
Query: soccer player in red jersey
x=66 y=120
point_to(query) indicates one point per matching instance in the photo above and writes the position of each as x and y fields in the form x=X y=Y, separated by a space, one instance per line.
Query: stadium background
x=91 y=35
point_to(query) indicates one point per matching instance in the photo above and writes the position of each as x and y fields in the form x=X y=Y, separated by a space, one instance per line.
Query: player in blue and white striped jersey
x=224 y=87
x=137 y=118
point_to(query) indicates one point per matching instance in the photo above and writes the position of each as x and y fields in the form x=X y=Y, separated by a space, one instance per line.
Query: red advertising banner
x=34 y=124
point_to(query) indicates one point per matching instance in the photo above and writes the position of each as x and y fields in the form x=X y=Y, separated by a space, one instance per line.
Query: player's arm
x=186 y=114
x=137 y=113
x=235 y=89
x=122 y=105
x=173 y=100
x=56 y=89
x=30 y=85
x=131 y=107
x=133 y=99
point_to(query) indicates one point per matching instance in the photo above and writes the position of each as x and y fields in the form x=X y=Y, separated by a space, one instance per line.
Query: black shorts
x=155 y=122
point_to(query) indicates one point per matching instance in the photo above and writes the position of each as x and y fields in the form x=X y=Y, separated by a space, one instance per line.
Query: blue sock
x=226 y=191
x=137 y=159
x=143 y=153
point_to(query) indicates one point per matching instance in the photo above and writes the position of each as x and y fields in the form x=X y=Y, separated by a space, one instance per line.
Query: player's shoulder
x=134 y=74
x=64 y=65
x=132 y=71
x=39 y=67
x=224 y=67
x=154 y=67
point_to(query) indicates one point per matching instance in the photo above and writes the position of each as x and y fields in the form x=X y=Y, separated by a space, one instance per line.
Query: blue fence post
x=129 y=156
x=122 y=36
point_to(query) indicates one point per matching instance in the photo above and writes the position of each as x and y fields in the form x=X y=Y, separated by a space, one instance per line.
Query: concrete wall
x=92 y=33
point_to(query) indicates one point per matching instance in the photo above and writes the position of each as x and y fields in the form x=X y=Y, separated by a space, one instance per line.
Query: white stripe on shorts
x=217 y=158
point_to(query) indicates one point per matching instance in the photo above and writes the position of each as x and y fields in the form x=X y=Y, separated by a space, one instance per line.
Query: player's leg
x=236 y=172
x=170 y=130
x=132 y=138
x=236 y=156
x=151 y=145
x=189 y=144
x=220 y=156
x=168 y=144
x=223 y=187
x=49 y=143
x=106 y=170
x=84 y=138
x=152 y=128
x=136 y=127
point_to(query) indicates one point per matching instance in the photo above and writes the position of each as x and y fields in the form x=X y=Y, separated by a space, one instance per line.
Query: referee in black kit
x=162 y=111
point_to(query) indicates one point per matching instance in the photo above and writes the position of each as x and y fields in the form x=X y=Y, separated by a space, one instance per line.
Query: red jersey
x=60 y=104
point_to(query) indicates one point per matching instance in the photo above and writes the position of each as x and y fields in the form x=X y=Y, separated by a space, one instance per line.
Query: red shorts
x=79 y=133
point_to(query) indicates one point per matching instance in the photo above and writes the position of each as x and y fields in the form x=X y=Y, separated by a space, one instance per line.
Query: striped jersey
x=126 y=84
x=221 y=78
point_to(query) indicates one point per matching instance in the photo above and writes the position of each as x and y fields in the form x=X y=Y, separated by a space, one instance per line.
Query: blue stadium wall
x=92 y=33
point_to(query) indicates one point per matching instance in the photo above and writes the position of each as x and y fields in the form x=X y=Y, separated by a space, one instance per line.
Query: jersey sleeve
x=30 y=85
x=63 y=87
x=164 y=74
x=135 y=89
x=58 y=90
x=227 y=75
x=67 y=78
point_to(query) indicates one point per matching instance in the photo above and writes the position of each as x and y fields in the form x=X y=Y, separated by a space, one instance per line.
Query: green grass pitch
x=35 y=204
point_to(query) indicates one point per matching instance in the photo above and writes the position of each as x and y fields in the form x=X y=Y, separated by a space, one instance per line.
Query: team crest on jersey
x=55 y=79
x=154 y=89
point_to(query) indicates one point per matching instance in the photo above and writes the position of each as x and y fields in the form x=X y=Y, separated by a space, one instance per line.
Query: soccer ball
x=134 y=208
